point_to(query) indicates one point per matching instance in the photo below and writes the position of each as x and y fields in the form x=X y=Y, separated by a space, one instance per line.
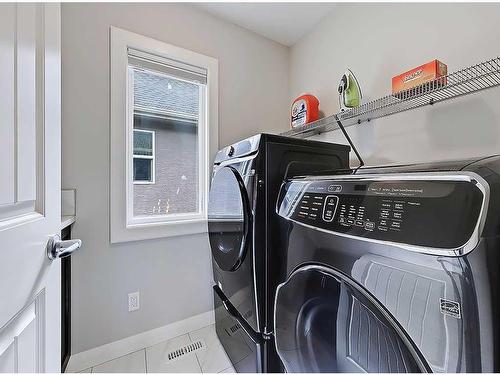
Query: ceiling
x=284 y=23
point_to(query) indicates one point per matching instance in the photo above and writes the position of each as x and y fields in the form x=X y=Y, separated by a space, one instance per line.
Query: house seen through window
x=166 y=115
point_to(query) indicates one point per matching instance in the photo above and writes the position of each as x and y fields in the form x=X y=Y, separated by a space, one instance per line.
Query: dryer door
x=324 y=322
x=229 y=218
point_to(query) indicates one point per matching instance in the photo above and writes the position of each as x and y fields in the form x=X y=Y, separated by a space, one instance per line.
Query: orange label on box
x=419 y=75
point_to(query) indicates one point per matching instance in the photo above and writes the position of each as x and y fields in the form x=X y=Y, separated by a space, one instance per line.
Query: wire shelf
x=463 y=82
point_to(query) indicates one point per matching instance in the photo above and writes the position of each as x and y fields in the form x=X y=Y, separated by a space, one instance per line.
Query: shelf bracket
x=341 y=127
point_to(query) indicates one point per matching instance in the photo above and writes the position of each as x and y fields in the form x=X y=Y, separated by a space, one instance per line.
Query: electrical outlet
x=133 y=301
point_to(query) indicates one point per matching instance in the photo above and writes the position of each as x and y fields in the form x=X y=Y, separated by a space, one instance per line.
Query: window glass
x=144 y=159
x=143 y=143
x=143 y=169
x=166 y=157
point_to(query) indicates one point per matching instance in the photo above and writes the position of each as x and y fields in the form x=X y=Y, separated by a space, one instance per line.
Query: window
x=169 y=101
x=144 y=157
x=163 y=137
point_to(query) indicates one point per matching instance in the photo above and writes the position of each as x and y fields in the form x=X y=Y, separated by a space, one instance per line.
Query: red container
x=305 y=109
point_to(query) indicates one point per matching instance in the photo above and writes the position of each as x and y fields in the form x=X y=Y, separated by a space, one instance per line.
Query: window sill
x=139 y=232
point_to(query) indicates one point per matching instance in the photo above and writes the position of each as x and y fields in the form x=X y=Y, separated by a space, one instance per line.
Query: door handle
x=56 y=248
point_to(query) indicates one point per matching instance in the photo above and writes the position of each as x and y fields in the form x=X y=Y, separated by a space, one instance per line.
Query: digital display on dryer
x=441 y=214
x=360 y=187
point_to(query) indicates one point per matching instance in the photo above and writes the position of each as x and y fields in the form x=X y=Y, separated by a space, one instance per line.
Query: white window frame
x=152 y=158
x=123 y=225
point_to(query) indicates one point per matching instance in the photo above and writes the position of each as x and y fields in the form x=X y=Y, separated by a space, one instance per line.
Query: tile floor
x=212 y=359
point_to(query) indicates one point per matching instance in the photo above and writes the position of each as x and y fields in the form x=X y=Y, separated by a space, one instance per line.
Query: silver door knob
x=60 y=249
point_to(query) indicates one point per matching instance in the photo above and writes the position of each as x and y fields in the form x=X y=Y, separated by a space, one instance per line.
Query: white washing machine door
x=325 y=322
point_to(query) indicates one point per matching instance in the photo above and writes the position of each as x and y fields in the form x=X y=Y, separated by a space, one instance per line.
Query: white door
x=30 y=170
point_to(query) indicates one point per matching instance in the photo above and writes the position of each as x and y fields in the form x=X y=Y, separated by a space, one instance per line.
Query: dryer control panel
x=437 y=213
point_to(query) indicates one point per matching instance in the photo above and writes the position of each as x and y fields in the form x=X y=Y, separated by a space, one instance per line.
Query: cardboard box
x=420 y=75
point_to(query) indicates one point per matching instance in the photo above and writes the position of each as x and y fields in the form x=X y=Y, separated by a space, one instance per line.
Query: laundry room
x=211 y=187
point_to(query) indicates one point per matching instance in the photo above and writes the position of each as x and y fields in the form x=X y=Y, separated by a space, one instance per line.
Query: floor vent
x=233 y=329
x=186 y=349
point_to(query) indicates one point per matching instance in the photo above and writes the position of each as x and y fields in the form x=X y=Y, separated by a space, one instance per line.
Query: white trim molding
x=93 y=357
x=123 y=225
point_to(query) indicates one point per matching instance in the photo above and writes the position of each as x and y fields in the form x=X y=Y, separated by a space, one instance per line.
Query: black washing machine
x=399 y=273
x=243 y=234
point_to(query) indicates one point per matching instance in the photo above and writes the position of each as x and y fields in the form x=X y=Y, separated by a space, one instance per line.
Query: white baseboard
x=84 y=360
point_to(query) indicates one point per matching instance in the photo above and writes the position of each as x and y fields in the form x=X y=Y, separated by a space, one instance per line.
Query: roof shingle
x=162 y=93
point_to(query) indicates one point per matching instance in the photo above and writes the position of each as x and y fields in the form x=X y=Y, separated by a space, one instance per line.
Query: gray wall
x=379 y=41
x=253 y=84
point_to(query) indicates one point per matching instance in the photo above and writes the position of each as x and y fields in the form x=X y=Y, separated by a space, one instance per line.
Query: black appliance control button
x=328 y=215
x=331 y=200
x=334 y=188
x=350 y=221
x=230 y=151
x=369 y=225
x=396 y=224
x=330 y=208
x=359 y=223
